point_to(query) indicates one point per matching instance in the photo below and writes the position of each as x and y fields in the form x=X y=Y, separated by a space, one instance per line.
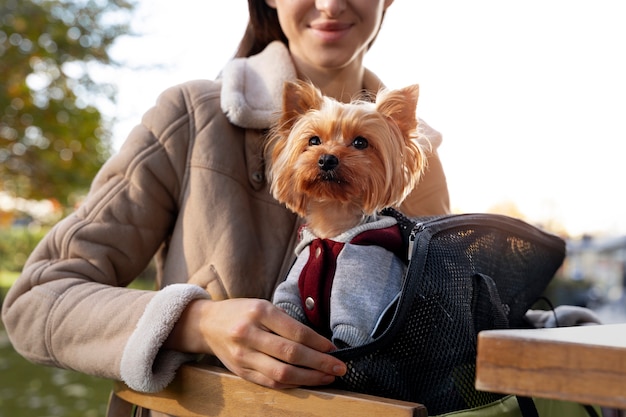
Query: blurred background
x=529 y=96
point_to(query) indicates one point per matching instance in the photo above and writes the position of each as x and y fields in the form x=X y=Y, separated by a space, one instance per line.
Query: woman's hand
x=257 y=341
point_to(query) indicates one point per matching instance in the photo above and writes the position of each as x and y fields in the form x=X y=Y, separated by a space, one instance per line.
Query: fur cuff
x=145 y=366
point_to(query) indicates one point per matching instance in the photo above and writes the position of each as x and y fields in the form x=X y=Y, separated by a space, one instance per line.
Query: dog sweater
x=343 y=286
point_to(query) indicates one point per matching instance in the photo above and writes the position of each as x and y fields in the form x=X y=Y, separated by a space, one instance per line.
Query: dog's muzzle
x=328 y=162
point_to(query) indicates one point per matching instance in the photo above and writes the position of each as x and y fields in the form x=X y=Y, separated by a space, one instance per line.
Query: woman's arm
x=258 y=342
x=70 y=307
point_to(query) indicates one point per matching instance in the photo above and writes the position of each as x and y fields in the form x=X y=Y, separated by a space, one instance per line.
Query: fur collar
x=252 y=87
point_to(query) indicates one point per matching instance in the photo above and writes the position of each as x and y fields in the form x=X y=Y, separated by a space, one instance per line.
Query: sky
x=530 y=96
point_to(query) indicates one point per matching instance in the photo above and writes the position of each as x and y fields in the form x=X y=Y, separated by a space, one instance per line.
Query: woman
x=188 y=186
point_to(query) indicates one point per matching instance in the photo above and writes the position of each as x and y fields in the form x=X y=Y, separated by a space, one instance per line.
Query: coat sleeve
x=430 y=196
x=70 y=307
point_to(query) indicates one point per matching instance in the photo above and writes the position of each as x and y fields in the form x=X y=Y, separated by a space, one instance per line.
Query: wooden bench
x=585 y=364
x=200 y=390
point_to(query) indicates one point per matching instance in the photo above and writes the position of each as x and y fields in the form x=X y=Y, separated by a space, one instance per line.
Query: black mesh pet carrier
x=467 y=273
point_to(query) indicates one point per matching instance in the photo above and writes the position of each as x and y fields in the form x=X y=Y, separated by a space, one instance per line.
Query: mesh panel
x=468 y=273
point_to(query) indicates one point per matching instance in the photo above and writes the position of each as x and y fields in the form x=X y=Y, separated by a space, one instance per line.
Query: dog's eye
x=360 y=142
x=314 y=141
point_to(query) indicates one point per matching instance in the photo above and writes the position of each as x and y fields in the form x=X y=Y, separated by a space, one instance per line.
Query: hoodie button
x=310 y=303
x=257 y=176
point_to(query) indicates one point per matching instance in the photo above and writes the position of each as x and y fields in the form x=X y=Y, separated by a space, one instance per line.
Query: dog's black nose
x=328 y=162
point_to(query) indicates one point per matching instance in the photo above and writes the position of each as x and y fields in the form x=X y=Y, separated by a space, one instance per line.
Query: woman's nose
x=331 y=8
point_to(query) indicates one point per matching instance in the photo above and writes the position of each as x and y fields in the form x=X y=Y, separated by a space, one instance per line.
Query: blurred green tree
x=53 y=138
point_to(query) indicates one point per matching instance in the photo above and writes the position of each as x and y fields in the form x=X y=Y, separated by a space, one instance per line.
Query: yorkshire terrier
x=337 y=165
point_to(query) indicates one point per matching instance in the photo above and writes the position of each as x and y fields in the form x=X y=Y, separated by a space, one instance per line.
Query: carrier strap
x=527 y=406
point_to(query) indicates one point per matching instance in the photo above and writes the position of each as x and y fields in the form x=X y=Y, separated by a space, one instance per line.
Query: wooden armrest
x=585 y=364
x=200 y=390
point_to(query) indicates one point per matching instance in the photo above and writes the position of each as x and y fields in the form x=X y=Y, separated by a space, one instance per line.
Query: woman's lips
x=330 y=31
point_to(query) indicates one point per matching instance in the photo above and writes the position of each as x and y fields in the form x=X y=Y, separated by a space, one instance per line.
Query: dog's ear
x=298 y=98
x=400 y=105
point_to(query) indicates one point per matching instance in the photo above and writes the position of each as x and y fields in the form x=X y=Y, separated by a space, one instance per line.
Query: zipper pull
x=416 y=229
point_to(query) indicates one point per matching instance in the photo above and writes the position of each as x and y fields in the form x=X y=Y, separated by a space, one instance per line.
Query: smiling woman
x=194 y=163
x=188 y=186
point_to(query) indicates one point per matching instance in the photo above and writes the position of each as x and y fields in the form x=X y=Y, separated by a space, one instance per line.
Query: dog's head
x=361 y=153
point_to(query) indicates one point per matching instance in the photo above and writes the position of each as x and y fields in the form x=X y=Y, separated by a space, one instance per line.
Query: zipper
x=479 y=219
x=416 y=229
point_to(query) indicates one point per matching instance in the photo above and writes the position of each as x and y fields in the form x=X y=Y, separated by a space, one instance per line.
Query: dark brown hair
x=264 y=28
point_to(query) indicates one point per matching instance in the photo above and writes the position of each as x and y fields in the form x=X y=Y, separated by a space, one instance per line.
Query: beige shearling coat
x=188 y=185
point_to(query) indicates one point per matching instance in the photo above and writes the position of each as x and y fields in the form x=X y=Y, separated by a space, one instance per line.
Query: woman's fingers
x=268 y=371
x=295 y=343
x=279 y=322
x=264 y=345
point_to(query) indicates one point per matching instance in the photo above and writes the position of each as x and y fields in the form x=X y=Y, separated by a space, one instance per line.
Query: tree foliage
x=53 y=138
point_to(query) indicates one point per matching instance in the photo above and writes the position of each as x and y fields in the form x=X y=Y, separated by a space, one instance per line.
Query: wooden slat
x=585 y=364
x=210 y=391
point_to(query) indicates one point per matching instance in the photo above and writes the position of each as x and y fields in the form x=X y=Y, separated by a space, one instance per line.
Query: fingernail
x=339 y=370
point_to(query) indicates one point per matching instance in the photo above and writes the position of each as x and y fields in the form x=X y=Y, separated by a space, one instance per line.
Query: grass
x=32 y=390
x=27 y=389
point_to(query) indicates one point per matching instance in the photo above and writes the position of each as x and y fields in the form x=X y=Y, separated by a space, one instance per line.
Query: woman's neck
x=341 y=84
